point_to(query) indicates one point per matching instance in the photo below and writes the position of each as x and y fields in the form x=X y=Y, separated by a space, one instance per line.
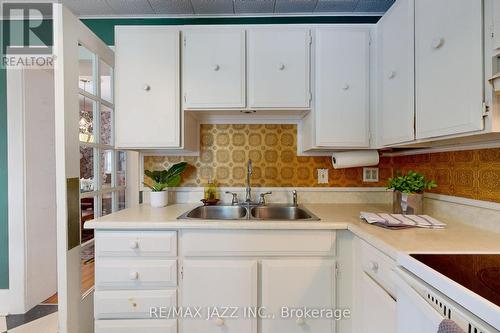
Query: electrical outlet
x=370 y=175
x=322 y=176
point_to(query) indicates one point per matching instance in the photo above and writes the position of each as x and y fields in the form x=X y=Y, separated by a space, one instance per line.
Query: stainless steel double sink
x=250 y=212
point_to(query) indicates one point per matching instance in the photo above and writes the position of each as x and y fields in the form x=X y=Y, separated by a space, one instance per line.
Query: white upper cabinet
x=214 y=68
x=496 y=25
x=396 y=112
x=449 y=67
x=219 y=283
x=342 y=87
x=147 y=87
x=279 y=67
x=297 y=283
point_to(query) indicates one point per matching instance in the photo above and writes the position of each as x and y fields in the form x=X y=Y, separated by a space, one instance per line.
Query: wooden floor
x=87 y=281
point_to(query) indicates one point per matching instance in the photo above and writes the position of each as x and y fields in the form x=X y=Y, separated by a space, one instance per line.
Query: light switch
x=370 y=175
x=322 y=176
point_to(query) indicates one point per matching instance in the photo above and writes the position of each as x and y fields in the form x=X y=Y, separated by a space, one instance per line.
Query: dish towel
x=400 y=221
x=449 y=326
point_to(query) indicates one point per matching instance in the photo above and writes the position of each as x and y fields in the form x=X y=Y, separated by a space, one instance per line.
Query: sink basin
x=281 y=213
x=216 y=213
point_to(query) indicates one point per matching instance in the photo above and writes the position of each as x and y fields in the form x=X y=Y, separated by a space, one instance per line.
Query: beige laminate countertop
x=456 y=238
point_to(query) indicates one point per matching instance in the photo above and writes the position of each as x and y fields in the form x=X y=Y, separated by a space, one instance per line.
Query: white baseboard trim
x=464 y=201
x=4 y=302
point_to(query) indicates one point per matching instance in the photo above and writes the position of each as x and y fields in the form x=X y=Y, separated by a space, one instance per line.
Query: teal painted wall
x=4 y=231
x=105 y=28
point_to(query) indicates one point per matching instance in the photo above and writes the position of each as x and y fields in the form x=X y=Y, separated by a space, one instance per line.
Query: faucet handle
x=262 y=200
x=234 y=200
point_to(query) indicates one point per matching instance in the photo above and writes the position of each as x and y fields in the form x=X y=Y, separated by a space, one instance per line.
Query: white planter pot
x=158 y=199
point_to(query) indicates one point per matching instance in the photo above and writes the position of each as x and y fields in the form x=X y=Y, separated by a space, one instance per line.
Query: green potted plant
x=408 y=192
x=161 y=181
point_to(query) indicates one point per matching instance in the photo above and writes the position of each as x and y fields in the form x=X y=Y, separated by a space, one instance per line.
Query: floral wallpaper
x=225 y=149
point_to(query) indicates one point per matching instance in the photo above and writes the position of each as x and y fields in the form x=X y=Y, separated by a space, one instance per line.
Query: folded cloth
x=449 y=326
x=400 y=221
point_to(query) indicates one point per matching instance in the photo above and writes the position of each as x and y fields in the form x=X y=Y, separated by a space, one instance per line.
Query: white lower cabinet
x=135 y=326
x=289 y=285
x=219 y=287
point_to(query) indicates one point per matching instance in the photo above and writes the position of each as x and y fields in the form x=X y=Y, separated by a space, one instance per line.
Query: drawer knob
x=216 y=67
x=134 y=275
x=300 y=321
x=437 y=43
x=219 y=322
x=373 y=266
x=146 y=87
x=281 y=67
x=391 y=75
x=345 y=86
x=134 y=244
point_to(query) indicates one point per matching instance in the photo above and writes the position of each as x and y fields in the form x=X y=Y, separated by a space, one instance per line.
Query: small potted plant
x=161 y=181
x=409 y=191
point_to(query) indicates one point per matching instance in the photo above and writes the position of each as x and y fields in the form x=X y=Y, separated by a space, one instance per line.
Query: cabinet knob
x=391 y=75
x=345 y=86
x=146 y=87
x=134 y=275
x=373 y=266
x=134 y=244
x=300 y=321
x=437 y=43
x=219 y=322
x=216 y=67
x=281 y=67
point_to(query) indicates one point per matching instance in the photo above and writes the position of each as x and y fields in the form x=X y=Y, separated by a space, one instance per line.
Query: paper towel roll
x=352 y=159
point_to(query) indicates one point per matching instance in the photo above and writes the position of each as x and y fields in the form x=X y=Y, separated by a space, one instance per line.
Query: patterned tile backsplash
x=225 y=149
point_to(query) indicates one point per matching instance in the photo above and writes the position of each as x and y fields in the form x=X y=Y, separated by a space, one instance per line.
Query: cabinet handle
x=134 y=275
x=373 y=266
x=134 y=244
x=300 y=321
x=281 y=67
x=345 y=86
x=146 y=87
x=219 y=322
x=437 y=43
x=216 y=67
x=392 y=75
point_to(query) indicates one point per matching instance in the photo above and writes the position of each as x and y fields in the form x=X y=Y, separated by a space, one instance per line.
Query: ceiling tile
x=130 y=7
x=295 y=6
x=336 y=5
x=374 y=5
x=213 y=6
x=254 y=6
x=88 y=7
x=165 y=7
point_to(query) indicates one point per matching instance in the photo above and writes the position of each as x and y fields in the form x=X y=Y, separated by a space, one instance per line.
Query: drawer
x=378 y=265
x=258 y=242
x=133 y=304
x=136 y=326
x=136 y=243
x=135 y=274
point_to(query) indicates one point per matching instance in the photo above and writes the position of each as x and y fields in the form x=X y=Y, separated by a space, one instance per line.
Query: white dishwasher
x=421 y=307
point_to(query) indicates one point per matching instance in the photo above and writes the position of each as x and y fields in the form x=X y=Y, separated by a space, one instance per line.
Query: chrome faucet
x=294 y=194
x=248 y=195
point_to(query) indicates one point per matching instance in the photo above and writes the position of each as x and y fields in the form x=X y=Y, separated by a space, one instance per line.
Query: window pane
x=106 y=169
x=107 y=204
x=121 y=165
x=86 y=61
x=106 y=79
x=87 y=175
x=88 y=209
x=121 y=199
x=86 y=122
x=106 y=125
x=87 y=266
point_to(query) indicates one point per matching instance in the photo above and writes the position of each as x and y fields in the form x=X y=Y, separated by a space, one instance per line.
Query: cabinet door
x=147 y=87
x=220 y=284
x=377 y=313
x=342 y=87
x=396 y=120
x=496 y=25
x=449 y=67
x=214 y=68
x=297 y=283
x=278 y=68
